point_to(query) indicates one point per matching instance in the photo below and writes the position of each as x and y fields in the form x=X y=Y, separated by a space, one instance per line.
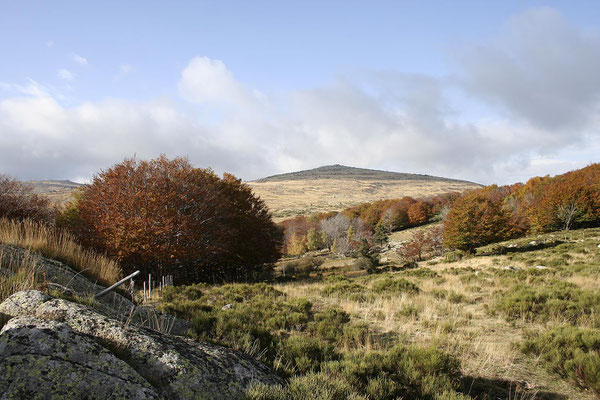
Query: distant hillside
x=336 y=187
x=58 y=191
x=337 y=171
x=327 y=188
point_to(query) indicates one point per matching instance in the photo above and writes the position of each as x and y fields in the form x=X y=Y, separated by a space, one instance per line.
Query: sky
x=492 y=92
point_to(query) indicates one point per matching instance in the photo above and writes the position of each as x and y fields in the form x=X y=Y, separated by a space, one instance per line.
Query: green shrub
x=403 y=371
x=301 y=266
x=421 y=273
x=329 y=324
x=313 y=386
x=571 y=352
x=394 y=286
x=364 y=264
x=355 y=335
x=555 y=299
x=301 y=354
x=456 y=298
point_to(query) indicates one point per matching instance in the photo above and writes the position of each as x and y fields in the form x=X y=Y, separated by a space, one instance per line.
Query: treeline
x=543 y=204
x=370 y=223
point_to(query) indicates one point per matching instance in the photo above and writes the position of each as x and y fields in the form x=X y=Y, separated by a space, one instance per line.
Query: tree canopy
x=165 y=216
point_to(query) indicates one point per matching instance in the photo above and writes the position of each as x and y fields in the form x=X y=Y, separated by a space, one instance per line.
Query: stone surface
x=47 y=359
x=23 y=303
x=175 y=367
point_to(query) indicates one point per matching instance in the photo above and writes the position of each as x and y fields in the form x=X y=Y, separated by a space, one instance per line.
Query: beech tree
x=165 y=216
x=477 y=218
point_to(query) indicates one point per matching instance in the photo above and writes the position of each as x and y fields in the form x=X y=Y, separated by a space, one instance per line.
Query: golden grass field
x=289 y=198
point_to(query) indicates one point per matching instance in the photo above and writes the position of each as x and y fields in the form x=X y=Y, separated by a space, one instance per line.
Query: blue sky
x=487 y=91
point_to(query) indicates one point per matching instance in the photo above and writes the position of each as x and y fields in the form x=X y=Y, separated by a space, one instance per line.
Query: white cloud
x=540 y=69
x=79 y=59
x=209 y=82
x=50 y=43
x=65 y=74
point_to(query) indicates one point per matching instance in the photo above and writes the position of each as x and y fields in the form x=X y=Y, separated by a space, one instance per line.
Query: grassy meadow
x=517 y=320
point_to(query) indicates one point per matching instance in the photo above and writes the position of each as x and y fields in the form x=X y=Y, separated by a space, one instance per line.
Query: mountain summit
x=337 y=171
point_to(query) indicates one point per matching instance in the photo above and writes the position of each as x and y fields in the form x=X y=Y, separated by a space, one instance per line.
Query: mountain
x=338 y=171
x=335 y=187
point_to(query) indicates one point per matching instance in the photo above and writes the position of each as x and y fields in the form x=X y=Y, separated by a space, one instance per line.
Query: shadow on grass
x=492 y=389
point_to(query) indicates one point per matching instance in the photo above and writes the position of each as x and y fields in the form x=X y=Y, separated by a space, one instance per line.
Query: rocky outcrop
x=65 y=344
x=49 y=338
x=47 y=359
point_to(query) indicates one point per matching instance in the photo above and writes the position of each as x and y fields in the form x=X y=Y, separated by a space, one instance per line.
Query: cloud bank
x=537 y=83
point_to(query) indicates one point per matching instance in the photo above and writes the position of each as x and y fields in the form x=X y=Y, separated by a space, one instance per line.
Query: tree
x=297 y=245
x=165 y=216
x=18 y=201
x=335 y=227
x=418 y=213
x=477 y=218
x=568 y=200
x=313 y=240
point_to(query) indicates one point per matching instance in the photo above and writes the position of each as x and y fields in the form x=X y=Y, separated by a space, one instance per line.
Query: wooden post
x=122 y=281
x=149 y=286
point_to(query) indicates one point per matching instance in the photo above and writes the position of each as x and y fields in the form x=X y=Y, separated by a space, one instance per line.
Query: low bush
x=343 y=289
x=421 y=273
x=301 y=266
x=402 y=372
x=303 y=354
x=550 y=300
x=329 y=324
x=571 y=352
x=394 y=286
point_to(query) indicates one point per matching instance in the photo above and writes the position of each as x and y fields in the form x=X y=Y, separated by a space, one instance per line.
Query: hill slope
x=335 y=187
x=58 y=191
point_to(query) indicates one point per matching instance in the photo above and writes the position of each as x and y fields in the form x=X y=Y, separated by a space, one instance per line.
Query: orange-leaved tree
x=478 y=217
x=568 y=200
x=166 y=217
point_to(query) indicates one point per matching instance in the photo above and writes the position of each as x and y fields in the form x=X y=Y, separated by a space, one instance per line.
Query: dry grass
x=17 y=274
x=452 y=311
x=59 y=245
x=287 y=199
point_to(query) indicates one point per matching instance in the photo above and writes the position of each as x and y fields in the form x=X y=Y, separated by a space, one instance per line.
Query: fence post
x=122 y=281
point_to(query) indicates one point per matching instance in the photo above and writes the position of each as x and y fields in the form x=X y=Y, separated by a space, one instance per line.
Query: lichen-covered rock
x=179 y=367
x=47 y=359
x=23 y=303
x=176 y=367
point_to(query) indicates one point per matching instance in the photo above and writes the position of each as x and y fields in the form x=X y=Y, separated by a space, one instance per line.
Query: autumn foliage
x=167 y=217
x=368 y=221
x=543 y=204
x=18 y=201
x=477 y=218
